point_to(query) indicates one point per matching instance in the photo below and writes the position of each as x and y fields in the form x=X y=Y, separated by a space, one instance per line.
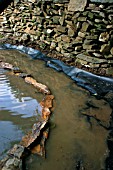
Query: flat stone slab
x=77 y=5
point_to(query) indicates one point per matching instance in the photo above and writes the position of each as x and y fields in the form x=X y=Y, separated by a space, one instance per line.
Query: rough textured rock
x=77 y=5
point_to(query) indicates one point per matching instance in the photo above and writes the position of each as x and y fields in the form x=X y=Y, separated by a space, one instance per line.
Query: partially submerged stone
x=28 y=139
x=41 y=87
x=35 y=139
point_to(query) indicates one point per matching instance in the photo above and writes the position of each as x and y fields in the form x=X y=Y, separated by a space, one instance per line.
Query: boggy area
x=79 y=123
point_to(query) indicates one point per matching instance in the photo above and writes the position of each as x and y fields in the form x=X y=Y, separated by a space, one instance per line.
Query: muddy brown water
x=75 y=141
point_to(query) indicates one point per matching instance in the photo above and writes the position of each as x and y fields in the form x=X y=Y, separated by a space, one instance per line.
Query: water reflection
x=9 y=134
x=14 y=101
x=17 y=113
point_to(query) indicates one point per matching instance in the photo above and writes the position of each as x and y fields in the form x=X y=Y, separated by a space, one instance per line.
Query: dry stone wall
x=81 y=33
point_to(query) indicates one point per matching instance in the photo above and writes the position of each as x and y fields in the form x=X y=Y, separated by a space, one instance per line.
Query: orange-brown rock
x=42 y=88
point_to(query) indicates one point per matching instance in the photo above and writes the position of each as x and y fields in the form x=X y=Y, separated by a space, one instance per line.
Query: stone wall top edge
x=102 y=1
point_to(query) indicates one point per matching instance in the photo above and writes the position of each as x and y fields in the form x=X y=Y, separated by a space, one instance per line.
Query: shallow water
x=76 y=140
x=15 y=108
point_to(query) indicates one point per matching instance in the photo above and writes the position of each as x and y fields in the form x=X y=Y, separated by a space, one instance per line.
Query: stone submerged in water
x=13 y=160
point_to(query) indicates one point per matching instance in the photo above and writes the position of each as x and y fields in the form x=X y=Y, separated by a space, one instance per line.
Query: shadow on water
x=78 y=139
x=4 y=4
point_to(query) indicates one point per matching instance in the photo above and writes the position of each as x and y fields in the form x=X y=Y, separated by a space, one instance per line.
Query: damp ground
x=77 y=138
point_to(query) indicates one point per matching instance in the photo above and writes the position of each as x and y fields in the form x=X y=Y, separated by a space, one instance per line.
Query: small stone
x=97 y=55
x=78 y=48
x=55 y=19
x=25 y=37
x=102 y=14
x=88 y=42
x=81 y=34
x=49 y=31
x=71 y=32
x=104 y=37
x=65 y=38
x=105 y=48
x=101 y=6
x=92 y=37
x=110 y=17
x=61 y=29
x=61 y=20
x=53 y=45
x=82 y=19
x=98 y=20
x=110 y=56
x=88 y=47
x=109 y=26
x=58 y=39
x=85 y=26
x=91 y=15
x=78 y=40
x=111 y=50
x=58 y=49
x=91 y=6
x=109 y=71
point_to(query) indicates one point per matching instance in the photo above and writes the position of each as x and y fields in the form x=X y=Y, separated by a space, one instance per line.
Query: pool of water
x=15 y=109
x=78 y=139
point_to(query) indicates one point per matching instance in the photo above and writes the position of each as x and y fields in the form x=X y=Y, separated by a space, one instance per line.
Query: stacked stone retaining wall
x=80 y=31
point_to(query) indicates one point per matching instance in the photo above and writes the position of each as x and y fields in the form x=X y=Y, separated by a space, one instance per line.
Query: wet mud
x=80 y=123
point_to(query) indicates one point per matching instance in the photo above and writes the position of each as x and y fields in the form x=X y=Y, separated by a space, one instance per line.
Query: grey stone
x=110 y=56
x=61 y=20
x=105 y=48
x=61 y=29
x=88 y=47
x=85 y=26
x=98 y=20
x=102 y=14
x=90 y=15
x=53 y=45
x=91 y=59
x=97 y=55
x=58 y=39
x=82 y=19
x=109 y=26
x=91 y=6
x=111 y=50
x=88 y=42
x=81 y=34
x=110 y=61
x=78 y=40
x=71 y=32
x=78 y=48
x=104 y=37
x=55 y=19
x=110 y=17
x=58 y=49
x=109 y=71
x=91 y=37
x=102 y=1
x=77 y=5
x=65 y=38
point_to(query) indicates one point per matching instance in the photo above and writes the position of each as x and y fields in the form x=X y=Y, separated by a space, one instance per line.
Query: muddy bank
x=83 y=123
